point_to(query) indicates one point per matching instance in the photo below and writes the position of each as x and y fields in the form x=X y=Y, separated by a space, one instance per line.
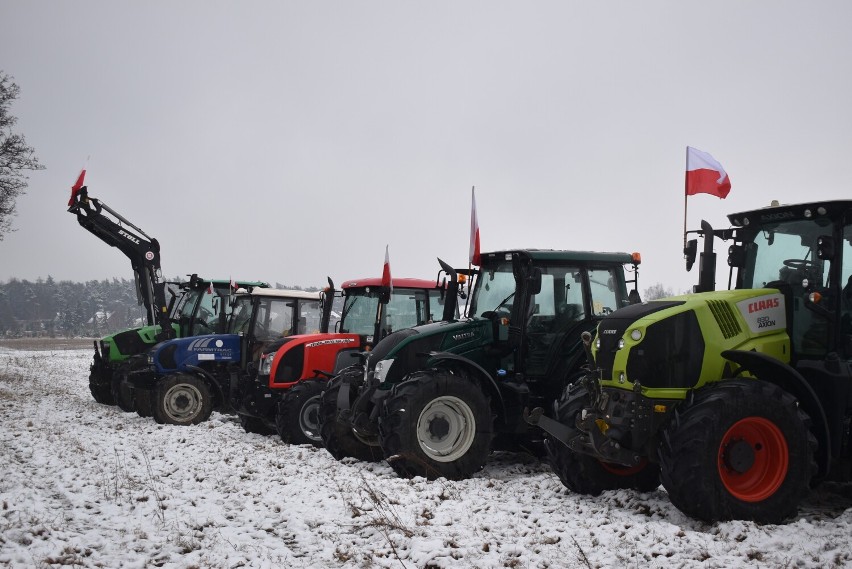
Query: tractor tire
x=741 y=449
x=254 y=425
x=337 y=436
x=143 y=404
x=122 y=394
x=100 y=385
x=585 y=474
x=436 y=423
x=181 y=400
x=297 y=419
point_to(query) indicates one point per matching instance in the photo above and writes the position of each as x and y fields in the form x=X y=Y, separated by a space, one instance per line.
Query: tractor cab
x=805 y=252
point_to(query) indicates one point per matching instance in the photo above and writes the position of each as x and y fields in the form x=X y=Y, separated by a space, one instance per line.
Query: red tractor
x=284 y=394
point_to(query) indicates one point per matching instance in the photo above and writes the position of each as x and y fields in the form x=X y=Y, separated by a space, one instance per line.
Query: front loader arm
x=142 y=250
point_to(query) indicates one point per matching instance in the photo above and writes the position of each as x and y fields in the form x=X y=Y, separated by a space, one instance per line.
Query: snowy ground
x=85 y=485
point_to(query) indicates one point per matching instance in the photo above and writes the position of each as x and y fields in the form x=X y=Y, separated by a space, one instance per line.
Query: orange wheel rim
x=753 y=459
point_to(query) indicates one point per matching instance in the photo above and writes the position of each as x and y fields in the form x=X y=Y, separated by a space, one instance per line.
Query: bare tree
x=657 y=290
x=15 y=156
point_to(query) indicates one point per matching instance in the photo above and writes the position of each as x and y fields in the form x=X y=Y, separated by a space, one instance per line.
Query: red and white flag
x=704 y=174
x=386 y=272
x=474 y=231
x=75 y=189
x=233 y=285
x=210 y=288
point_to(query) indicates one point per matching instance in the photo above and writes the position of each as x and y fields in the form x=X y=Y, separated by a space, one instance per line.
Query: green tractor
x=738 y=400
x=434 y=400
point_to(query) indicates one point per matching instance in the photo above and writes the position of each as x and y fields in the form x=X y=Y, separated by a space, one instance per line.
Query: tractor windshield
x=495 y=289
x=784 y=255
x=407 y=308
x=785 y=252
x=241 y=315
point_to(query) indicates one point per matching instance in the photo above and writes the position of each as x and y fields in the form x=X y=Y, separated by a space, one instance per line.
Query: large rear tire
x=436 y=423
x=182 y=400
x=584 y=473
x=297 y=417
x=741 y=449
x=336 y=432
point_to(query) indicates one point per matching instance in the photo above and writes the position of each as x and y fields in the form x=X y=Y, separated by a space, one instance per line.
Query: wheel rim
x=446 y=429
x=309 y=419
x=753 y=459
x=182 y=402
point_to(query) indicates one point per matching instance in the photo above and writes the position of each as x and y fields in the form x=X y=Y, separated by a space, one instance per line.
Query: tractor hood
x=403 y=352
x=661 y=343
x=180 y=353
x=289 y=359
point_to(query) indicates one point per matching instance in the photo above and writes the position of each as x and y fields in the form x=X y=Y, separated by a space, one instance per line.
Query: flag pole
x=685 y=196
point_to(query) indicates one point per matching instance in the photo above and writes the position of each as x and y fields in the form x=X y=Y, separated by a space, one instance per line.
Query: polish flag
x=386 y=273
x=210 y=288
x=704 y=174
x=474 y=231
x=75 y=189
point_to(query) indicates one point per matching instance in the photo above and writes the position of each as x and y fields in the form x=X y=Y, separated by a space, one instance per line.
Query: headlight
x=150 y=359
x=382 y=369
x=636 y=334
x=620 y=343
x=265 y=364
x=597 y=343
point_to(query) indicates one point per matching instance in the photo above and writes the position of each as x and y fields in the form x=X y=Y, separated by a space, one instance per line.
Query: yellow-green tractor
x=738 y=401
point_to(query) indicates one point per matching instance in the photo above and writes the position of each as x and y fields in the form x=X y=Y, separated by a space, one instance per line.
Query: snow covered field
x=85 y=485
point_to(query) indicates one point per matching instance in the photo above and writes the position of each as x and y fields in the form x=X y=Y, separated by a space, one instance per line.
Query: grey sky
x=287 y=141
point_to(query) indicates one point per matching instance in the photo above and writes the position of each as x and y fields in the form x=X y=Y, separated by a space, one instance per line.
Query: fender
x=786 y=377
x=209 y=379
x=489 y=382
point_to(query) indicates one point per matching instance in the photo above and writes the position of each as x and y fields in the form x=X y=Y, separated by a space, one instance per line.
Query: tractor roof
x=788 y=212
x=284 y=293
x=557 y=255
x=397 y=283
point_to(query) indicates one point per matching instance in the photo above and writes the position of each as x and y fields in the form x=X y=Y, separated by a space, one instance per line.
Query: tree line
x=91 y=309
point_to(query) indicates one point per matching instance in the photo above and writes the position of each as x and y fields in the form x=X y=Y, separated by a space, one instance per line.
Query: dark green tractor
x=434 y=400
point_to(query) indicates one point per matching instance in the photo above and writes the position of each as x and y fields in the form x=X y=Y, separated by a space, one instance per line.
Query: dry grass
x=47 y=343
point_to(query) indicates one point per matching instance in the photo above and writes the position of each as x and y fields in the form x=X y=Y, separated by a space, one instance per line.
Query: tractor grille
x=670 y=355
x=724 y=318
x=612 y=329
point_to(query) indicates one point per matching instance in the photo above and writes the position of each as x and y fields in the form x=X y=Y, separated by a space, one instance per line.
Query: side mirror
x=690 y=252
x=535 y=281
x=736 y=256
x=825 y=248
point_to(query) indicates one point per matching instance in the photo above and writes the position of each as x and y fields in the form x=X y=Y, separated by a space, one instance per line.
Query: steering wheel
x=799 y=264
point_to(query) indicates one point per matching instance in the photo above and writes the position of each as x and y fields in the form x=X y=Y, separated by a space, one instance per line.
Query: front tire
x=436 y=424
x=740 y=450
x=584 y=473
x=297 y=419
x=254 y=425
x=100 y=383
x=182 y=400
x=336 y=432
x=122 y=394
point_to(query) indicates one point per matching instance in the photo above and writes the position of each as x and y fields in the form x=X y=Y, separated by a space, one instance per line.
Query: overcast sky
x=288 y=141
